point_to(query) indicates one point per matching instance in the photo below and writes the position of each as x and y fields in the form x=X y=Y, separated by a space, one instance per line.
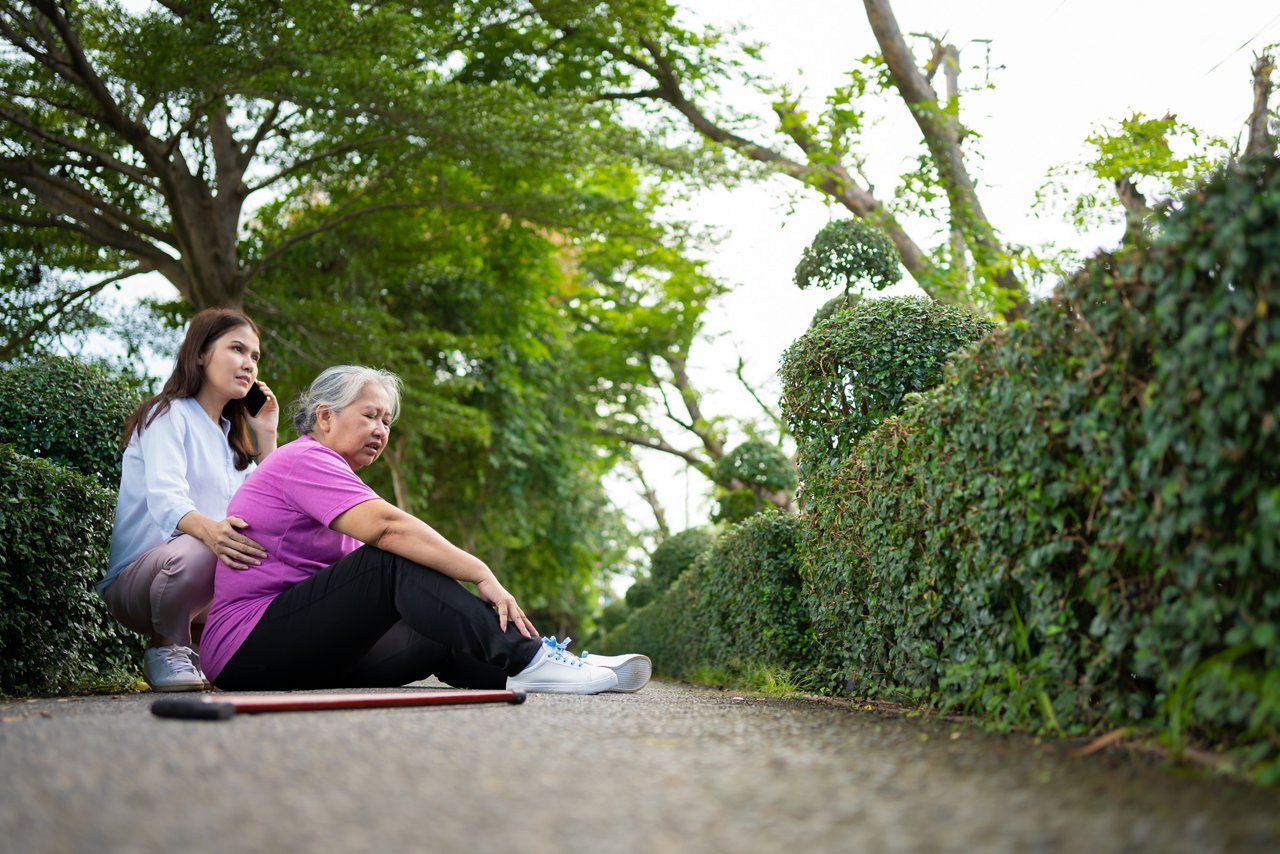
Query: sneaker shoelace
x=562 y=647
x=179 y=659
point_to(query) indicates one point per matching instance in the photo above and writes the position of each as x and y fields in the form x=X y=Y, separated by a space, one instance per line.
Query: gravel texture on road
x=672 y=768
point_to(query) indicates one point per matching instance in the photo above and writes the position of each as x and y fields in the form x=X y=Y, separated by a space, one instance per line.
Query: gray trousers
x=162 y=592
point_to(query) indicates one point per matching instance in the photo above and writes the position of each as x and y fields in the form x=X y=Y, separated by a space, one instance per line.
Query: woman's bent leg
x=159 y=593
x=402 y=656
x=317 y=633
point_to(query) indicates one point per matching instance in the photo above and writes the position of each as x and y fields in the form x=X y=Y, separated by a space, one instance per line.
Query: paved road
x=669 y=769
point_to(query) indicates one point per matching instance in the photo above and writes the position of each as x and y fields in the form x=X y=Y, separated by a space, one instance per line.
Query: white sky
x=1068 y=65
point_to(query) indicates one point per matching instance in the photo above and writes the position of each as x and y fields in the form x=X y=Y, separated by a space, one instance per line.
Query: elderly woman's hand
x=505 y=604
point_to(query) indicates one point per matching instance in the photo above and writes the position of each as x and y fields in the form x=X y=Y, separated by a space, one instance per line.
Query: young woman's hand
x=232 y=547
x=265 y=424
x=505 y=604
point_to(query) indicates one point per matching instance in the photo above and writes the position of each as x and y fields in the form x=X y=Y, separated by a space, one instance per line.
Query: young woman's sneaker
x=633 y=670
x=554 y=671
x=170 y=668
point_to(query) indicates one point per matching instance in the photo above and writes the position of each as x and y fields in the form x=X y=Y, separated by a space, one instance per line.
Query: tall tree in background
x=135 y=141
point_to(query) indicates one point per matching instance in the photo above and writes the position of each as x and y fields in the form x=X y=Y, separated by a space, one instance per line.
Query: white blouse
x=180 y=463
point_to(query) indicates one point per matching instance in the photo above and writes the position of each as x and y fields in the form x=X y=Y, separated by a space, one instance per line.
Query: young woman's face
x=359 y=433
x=230 y=364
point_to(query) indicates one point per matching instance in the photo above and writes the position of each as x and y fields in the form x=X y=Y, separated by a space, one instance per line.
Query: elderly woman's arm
x=381 y=524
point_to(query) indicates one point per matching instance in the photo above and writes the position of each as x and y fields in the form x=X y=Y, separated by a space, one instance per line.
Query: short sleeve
x=323 y=487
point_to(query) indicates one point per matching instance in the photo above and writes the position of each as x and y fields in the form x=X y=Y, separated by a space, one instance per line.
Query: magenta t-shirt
x=288 y=502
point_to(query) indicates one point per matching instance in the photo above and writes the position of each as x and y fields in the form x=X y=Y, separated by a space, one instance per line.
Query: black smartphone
x=254 y=400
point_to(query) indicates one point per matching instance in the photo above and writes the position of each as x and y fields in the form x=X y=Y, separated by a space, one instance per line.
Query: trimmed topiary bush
x=1081 y=527
x=757 y=464
x=55 y=531
x=67 y=412
x=677 y=553
x=669 y=630
x=752 y=477
x=848 y=373
x=845 y=253
x=640 y=593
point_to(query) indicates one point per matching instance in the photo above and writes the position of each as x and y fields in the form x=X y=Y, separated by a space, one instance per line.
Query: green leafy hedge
x=737 y=610
x=55 y=531
x=1081 y=527
x=849 y=372
x=677 y=553
x=67 y=412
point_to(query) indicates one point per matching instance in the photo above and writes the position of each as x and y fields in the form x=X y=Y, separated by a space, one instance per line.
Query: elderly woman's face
x=361 y=430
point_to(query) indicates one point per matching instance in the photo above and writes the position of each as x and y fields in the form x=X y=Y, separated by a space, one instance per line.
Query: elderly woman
x=356 y=592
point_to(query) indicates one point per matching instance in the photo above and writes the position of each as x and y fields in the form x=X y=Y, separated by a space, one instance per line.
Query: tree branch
x=700 y=426
x=942 y=136
x=651 y=498
x=300 y=165
x=771 y=413
x=659 y=444
x=113 y=163
x=833 y=180
x=1260 y=140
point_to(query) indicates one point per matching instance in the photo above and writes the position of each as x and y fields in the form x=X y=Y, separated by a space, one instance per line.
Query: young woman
x=356 y=592
x=186 y=451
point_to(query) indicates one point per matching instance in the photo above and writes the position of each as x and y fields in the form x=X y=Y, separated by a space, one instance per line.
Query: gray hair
x=336 y=388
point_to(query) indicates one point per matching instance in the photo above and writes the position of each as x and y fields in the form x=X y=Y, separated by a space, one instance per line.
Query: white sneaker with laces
x=170 y=668
x=633 y=669
x=556 y=672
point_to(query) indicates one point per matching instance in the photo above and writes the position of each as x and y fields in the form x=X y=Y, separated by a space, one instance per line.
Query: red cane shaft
x=223 y=706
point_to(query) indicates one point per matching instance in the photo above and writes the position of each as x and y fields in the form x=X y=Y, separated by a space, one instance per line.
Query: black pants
x=377 y=620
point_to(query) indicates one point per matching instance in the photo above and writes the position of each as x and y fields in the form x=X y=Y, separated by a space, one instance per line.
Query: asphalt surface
x=669 y=769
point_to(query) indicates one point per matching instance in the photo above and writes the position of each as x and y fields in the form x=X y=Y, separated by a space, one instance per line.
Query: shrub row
x=739 y=607
x=67 y=412
x=1081 y=527
x=55 y=531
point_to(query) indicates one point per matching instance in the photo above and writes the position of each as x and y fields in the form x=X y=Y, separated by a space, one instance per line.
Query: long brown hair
x=188 y=377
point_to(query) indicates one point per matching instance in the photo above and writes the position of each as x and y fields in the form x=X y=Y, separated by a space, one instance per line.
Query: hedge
x=676 y=554
x=739 y=609
x=1080 y=528
x=851 y=371
x=55 y=532
x=67 y=412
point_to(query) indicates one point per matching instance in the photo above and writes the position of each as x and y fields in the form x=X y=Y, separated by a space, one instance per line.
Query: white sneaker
x=169 y=668
x=633 y=670
x=557 y=672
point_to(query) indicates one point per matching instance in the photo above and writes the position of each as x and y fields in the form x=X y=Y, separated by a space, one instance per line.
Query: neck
x=212 y=402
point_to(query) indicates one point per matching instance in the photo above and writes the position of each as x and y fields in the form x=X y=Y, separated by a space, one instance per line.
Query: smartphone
x=254 y=400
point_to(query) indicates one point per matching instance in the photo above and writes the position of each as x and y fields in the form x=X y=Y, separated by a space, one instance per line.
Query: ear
x=324 y=418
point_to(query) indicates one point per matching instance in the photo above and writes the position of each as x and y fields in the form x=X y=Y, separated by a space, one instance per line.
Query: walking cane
x=220 y=707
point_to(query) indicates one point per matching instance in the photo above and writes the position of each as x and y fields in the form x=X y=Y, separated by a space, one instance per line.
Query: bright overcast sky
x=1059 y=67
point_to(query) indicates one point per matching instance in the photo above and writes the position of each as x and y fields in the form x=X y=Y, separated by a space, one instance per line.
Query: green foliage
x=848 y=253
x=848 y=373
x=676 y=554
x=750 y=478
x=55 y=532
x=640 y=593
x=1160 y=156
x=67 y=412
x=756 y=463
x=1081 y=526
x=735 y=505
x=738 y=612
